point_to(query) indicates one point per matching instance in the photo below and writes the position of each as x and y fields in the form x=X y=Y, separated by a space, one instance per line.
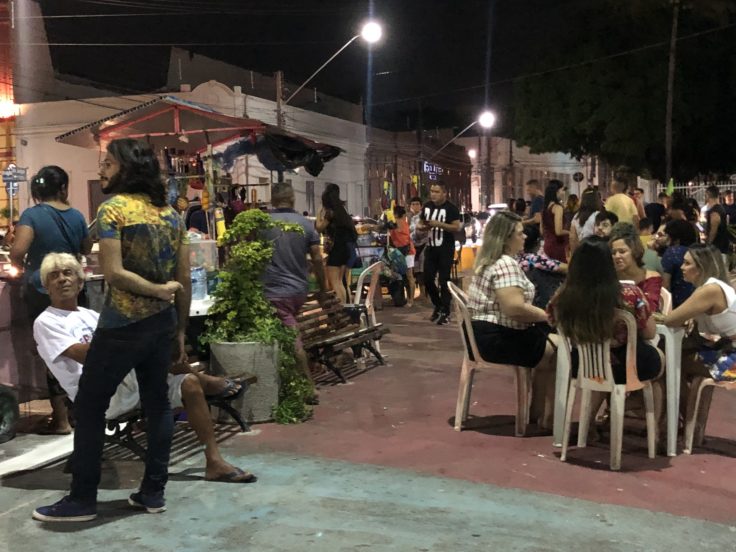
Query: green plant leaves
x=241 y=312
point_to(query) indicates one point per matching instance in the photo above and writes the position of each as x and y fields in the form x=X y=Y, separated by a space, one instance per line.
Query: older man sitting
x=63 y=333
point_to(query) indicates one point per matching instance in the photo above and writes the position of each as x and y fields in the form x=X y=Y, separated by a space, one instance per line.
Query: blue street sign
x=11 y=188
x=14 y=174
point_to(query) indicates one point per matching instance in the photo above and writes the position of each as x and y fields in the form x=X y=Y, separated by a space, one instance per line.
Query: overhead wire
x=560 y=68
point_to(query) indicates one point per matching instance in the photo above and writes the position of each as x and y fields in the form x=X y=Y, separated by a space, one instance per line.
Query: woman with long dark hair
x=555 y=236
x=584 y=307
x=50 y=226
x=145 y=260
x=334 y=221
x=583 y=223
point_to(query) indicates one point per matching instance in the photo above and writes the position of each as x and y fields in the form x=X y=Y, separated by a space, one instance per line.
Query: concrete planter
x=259 y=359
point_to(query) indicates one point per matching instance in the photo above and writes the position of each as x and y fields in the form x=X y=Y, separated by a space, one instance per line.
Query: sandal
x=235 y=476
x=234 y=388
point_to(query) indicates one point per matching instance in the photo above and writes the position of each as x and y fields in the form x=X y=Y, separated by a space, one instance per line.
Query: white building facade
x=39 y=124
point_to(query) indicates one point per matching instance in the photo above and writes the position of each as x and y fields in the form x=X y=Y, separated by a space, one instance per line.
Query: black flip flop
x=235 y=476
x=227 y=394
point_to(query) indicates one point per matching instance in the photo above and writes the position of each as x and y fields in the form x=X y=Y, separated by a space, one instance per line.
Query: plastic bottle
x=199 y=283
x=219 y=223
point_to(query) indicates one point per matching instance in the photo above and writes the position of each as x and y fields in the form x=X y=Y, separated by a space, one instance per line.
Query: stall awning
x=169 y=121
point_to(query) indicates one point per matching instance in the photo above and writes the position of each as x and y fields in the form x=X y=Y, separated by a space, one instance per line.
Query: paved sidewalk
x=380 y=468
x=302 y=504
x=401 y=415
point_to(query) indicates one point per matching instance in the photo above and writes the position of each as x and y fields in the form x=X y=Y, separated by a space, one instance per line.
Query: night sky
x=433 y=55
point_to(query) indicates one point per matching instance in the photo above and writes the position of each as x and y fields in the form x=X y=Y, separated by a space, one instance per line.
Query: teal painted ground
x=305 y=504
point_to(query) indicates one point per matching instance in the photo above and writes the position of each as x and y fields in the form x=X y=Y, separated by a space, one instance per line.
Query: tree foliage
x=614 y=107
x=241 y=312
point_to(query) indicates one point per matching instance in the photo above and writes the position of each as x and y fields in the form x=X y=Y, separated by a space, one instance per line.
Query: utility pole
x=670 y=92
x=279 y=98
x=512 y=176
x=489 y=170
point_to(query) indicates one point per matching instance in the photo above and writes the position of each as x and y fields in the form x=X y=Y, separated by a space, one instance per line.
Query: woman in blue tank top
x=50 y=226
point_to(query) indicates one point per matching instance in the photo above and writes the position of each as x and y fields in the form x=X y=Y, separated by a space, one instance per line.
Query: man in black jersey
x=441 y=218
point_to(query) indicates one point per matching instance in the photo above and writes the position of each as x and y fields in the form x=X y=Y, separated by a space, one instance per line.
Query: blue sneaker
x=153 y=503
x=66 y=510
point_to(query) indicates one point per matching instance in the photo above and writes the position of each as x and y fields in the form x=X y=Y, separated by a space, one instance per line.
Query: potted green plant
x=243 y=331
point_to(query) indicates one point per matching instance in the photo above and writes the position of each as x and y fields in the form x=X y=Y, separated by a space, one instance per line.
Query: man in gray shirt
x=285 y=281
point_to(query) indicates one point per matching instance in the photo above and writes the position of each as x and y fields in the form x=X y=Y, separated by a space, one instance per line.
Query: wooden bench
x=327 y=330
x=121 y=430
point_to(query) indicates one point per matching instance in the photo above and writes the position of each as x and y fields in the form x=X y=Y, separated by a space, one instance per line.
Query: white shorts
x=175 y=382
x=127 y=398
x=409 y=261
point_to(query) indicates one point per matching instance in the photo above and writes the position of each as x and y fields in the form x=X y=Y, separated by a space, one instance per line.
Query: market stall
x=197 y=147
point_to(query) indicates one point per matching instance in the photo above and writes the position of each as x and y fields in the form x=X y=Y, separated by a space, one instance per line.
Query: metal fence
x=696 y=190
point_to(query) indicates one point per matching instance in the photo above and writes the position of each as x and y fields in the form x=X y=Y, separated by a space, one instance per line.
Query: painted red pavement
x=400 y=415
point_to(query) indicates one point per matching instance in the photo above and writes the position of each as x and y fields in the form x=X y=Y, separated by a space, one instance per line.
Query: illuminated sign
x=432 y=170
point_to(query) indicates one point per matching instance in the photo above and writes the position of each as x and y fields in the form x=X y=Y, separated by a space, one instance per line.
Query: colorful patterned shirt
x=483 y=304
x=150 y=237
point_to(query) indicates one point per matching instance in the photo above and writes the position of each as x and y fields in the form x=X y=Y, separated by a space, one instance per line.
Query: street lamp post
x=487 y=119
x=371 y=33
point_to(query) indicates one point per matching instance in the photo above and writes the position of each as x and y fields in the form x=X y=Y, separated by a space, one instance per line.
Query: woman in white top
x=713 y=308
x=583 y=223
x=504 y=319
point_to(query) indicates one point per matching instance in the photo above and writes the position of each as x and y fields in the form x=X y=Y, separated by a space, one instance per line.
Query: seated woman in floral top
x=628 y=258
x=500 y=304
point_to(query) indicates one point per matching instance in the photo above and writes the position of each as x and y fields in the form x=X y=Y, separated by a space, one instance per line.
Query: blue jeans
x=145 y=346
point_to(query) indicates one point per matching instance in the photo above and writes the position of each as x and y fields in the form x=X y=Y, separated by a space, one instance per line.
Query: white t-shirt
x=587 y=229
x=55 y=330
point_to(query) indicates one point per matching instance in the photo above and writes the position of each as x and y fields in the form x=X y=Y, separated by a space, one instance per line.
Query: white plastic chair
x=698 y=420
x=365 y=298
x=665 y=301
x=595 y=374
x=472 y=361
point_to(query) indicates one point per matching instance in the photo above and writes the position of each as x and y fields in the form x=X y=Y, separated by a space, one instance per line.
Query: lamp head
x=371 y=32
x=472 y=153
x=487 y=119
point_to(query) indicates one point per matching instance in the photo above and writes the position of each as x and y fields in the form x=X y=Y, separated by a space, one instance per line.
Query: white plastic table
x=673 y=364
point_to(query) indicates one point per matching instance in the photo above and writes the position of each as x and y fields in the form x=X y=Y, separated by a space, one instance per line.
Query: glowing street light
x=487 y=119
x=371 y=33
x=472 y=153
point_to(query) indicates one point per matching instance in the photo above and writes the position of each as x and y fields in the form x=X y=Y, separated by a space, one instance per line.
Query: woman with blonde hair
x=713 y=308
x=505 y=322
